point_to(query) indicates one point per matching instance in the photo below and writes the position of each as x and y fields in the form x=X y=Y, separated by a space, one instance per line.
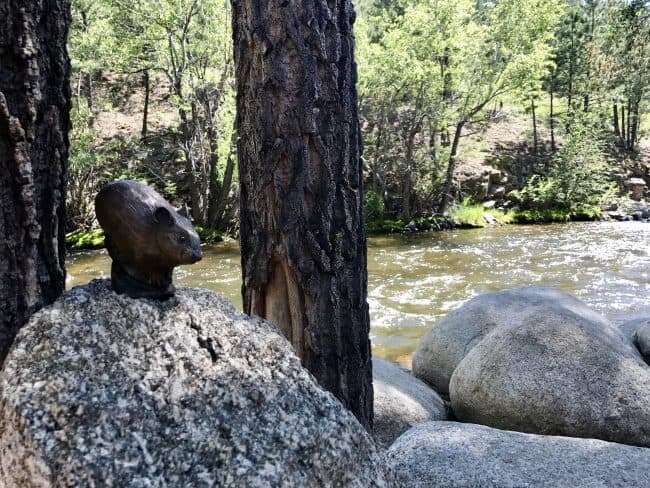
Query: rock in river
x=401 y=401
x=549 y=365
x=102 y=389
x=455 y=455
x=638 y=331
x=445 y=345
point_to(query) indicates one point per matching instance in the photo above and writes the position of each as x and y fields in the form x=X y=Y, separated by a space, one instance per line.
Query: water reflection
x=413 y=280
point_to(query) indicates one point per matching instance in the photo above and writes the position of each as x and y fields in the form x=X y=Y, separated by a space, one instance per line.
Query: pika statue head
x=176 y=238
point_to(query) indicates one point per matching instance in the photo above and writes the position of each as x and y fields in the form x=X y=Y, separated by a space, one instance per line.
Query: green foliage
x=208 y=236
x=399 y=226
x=374 y=206
x=82 y=138
x=80 y=240
x=577 y=179
x=548 y=216
x=425 y=66
x=470 y=215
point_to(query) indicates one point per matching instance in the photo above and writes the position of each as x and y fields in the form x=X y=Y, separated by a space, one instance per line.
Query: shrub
x=80 y=240
x=576 y=182
x=374 y=206
x=467 y=214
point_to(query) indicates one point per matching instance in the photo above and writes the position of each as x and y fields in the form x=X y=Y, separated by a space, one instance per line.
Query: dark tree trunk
x=451 y=167
x=407 y=179
x=634 y=126
x=571 y=65
x=623 y=134
x=628 y=122
x=535 y=140
x=219 y=191
x=552 y=120
x=303 y=243
x=433 y=143
x=34 y=123
x=145 y=112
x=617 y=127
x=89 y=92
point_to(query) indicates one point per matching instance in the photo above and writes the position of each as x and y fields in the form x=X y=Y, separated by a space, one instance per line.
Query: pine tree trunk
x=302 y=229
x=34 y=122
x=635 y=126
x=146 y=82
x=628 y=129
x=535 y=140
x=552 y=120
x=407 y=179
x=617 y=128
x=623 y=126
x=451 y=168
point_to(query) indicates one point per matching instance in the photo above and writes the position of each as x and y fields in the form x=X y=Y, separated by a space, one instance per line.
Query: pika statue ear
x=163 y=216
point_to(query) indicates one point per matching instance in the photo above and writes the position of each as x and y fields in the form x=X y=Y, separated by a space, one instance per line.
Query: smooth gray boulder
x=105 y=390
x=554 y=368
x=642 y=341
x=446 y=344
x=638 y=331
x=455 y=455
x=401 y=401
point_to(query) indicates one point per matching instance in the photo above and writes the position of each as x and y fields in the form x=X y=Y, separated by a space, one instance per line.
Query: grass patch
x=470 y=215
x=80 y=240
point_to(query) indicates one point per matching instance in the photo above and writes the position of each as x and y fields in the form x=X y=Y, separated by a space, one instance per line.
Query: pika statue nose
x=197 y=255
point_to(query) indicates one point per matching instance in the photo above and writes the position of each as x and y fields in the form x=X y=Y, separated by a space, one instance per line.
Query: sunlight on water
x=413 y=280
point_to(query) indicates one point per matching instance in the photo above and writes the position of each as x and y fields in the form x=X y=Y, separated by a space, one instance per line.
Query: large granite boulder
x=450 y=454
x=445 y=345
x=105 y=390
x=401 y=401
x=638 y=331
x=554 y=367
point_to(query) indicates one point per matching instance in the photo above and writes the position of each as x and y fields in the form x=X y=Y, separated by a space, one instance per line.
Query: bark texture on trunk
x=34 y=123
x=447 y=187
x=535 y=140
x=146 y=82
x=302 y=232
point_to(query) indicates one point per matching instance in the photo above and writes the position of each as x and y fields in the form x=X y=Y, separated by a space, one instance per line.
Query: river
x=414 y=280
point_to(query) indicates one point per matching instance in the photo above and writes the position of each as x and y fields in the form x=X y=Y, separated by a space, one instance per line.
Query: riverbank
x=475 y=216
x=469 y=216
x=463 y=216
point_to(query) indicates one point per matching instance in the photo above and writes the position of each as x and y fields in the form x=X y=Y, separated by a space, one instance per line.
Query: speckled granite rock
x=554 y=369
x=455 y=455
x=401 y=401
x=442 y=349
x=638 y=331
x=104 y=390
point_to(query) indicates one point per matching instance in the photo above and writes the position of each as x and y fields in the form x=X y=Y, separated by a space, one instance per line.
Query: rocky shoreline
x=525 y=387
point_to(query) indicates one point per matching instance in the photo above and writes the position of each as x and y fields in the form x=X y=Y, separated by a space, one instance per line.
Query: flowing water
x=414 y=280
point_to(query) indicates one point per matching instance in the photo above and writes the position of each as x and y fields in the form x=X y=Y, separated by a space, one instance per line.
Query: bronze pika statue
x=146 y=238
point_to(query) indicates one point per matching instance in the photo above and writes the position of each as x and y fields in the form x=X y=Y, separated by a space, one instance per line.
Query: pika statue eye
x=182 y=238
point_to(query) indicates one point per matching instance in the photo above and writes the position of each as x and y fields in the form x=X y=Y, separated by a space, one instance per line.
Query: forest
x=538 y=107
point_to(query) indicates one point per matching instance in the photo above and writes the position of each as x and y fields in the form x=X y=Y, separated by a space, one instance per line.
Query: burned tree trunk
x=302 y=231
x=34 y=122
